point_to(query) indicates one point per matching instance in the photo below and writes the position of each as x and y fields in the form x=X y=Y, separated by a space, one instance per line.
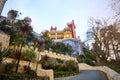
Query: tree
x=115 y=5
x=40 y=45
x=106 y=39
x=12 y=14
x=4 y=27
x=48 y=42
x=29 y=55
x=61 y=48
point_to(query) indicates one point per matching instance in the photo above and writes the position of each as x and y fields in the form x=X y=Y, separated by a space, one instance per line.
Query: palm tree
x=23 y=31
x=30 y=55
x=40 y=45
x=47 y=40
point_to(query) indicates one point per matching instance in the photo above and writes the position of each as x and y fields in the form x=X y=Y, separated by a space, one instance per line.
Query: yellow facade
x=58 y=35
x=55 y=35
x=67 y=34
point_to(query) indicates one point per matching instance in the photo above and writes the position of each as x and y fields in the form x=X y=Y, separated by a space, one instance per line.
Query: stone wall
x=4 y=40
x=114 y=75
x=58 y=56
x=49 y=73
x=51 y=54
x=83 y=66
x=40 y=71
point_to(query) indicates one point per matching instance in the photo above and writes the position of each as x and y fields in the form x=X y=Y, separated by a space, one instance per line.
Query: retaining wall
x=83 y=66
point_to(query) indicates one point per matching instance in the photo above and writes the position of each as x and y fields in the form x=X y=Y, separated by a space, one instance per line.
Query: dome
x=67 y=29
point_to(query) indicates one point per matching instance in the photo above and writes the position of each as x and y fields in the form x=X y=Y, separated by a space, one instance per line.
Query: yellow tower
x=67 y=33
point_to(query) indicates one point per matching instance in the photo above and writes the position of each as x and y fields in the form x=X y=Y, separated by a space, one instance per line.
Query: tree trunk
x=18 y=61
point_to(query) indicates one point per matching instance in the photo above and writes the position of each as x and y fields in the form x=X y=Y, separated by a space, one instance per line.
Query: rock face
x=75 y=45
x=114 y=75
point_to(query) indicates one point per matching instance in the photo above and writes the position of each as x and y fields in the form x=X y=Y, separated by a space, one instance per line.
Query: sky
x=47 y=13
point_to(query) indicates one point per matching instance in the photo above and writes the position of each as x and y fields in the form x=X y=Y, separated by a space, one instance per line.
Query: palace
x=68 y=32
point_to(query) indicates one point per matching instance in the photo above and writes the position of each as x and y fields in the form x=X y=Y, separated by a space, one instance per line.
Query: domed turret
x=67 y=29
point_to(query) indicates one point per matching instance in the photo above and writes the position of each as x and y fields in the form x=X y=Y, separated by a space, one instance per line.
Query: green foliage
x=72 y=66
x=81 y=58
x=61 y=48
x=45 y=61
x=9 y=67
x=66 y=69
x=89 y=61
x=87 y=58
x=29 y=55
x=60 y=67
x=63 y=73
x=31 y=73
x=48 y=42
x=89 y=55
x=59 y=61
x=4 y=27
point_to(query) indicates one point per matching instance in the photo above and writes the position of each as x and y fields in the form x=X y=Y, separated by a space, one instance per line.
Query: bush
x=81 y=58
x=59 y=61
x=9 y=67
x=28 y=71
x=89 y=61
x=72 y=66
x=63 y=73
x=60 y=67
x=89 y=55
x=31 y=73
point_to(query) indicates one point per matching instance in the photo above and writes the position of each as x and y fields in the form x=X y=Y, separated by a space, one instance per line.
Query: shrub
x=28 y=71
x=26 y=68
x=9 y=67
x=31 y=73
x=59 y=61
x=89 y=55
x=81 y=58
x=89 y=61
x=72 y=66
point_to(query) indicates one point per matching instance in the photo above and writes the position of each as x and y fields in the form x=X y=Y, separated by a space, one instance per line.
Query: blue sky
x=47 y=13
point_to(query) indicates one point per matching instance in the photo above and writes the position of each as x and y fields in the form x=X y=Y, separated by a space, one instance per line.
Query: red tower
x=72 y=26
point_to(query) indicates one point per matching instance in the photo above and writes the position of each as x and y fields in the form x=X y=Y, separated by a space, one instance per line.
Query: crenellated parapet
x=51 y=54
